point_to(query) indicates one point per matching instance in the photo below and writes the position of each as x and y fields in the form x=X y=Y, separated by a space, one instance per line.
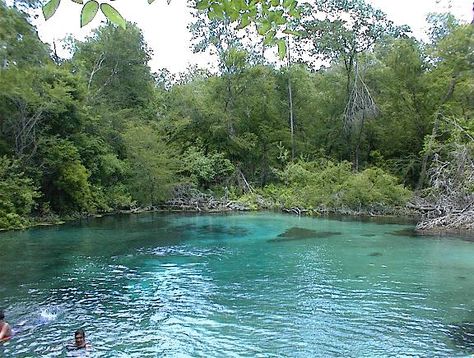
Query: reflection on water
x=252 y=285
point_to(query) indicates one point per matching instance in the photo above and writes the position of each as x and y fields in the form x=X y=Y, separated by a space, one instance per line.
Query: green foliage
x=113 y=15
x=114 y=64
x=269 y=16
x=88 y=12
x=346 y=29
x=152 y=165
x=334 y=185
x=50 y=8
x=372 y=188
x=250 y=201
x=64 y=178
x=17 y=195
x=99 y=132
x=206 y=170
x=19 y=42
x=112 y=197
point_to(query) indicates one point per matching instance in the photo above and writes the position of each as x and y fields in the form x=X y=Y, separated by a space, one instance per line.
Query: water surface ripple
x=252 y=285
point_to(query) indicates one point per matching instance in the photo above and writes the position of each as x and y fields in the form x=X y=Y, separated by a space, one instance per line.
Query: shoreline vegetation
x=430 y=220
x=385 y=128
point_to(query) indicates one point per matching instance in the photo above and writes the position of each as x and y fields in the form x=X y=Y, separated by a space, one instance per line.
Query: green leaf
x=244 y=22
x=218 y=11
x=291 y=32
x=113 y=15
x=263 y=28
x=78 y=1
x=89 y=10
x=202 y=5
x=50 y=8
x=281 y=48
x=269 y=37
x=295 y=14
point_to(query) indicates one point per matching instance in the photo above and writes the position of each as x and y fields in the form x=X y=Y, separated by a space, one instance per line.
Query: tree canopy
x=101 y=132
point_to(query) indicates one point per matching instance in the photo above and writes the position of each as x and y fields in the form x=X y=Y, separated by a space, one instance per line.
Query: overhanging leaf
x=78 y=1
x=269 y=37
x=89 y=10
x=244 y=22
x=263 y=28
x=113 y=15
x=50 y=8
x=202 y=5
x=291 y=32
x=281 y=48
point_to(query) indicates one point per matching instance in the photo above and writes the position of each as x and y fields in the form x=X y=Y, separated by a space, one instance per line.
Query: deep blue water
x=238 y=285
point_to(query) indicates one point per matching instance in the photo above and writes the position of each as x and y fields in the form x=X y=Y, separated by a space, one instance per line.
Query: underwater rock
x=376 y=254
x=183 y=228
x=223 y=230
x=298 y=233
x=405 y=232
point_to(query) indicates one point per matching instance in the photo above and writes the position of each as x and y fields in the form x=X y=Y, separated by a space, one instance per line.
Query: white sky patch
x=165 y=26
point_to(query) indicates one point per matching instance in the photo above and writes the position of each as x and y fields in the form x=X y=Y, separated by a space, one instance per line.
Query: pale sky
x=165 y=31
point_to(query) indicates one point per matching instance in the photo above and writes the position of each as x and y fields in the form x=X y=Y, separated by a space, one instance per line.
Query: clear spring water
x=240 y=285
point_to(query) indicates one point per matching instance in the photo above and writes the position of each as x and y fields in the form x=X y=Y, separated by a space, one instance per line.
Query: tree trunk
x=292 y=122
x=290 y=105
x=434 y=133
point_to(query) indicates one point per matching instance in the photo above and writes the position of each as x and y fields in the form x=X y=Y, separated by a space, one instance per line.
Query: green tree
x=398 y=80
x=36 y=101
x=204 y=170
x=19 y=42
x=347 y=29
x=63 y=177
x=114 y=64
x=152 y=165
x=451 y=77
x=17 y=195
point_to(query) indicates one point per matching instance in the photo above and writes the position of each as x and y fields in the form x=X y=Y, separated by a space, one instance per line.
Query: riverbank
x=449 y=224
x=459 y=224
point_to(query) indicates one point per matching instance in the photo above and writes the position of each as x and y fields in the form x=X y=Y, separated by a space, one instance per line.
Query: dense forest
x=360 y=117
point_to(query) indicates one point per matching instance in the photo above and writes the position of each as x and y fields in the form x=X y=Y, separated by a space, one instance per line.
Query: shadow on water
x=380 y=220
x=465 y=236
x=373 y=254
x=217 y=230
x=405 y=233
x=223 y=230
x=462 y=336
x=298 y=233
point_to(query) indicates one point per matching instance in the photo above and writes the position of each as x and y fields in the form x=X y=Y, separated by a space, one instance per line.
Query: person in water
x=79 y=340
x=5 y=330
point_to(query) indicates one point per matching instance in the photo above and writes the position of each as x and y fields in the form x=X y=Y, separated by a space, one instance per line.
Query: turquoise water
x=240 y=285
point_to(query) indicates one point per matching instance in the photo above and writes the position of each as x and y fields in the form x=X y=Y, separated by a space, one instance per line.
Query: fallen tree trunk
x=449 y=205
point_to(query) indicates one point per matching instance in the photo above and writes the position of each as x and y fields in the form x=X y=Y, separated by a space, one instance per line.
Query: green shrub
x=206 y=170
x=334 y=186
x=372 y=187
x=17 y=195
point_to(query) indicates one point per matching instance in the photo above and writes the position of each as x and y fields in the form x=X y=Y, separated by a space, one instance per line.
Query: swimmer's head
x=80 y=338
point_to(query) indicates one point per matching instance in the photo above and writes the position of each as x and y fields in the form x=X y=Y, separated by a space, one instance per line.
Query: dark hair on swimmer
x=81 y=332
x=2 y=315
